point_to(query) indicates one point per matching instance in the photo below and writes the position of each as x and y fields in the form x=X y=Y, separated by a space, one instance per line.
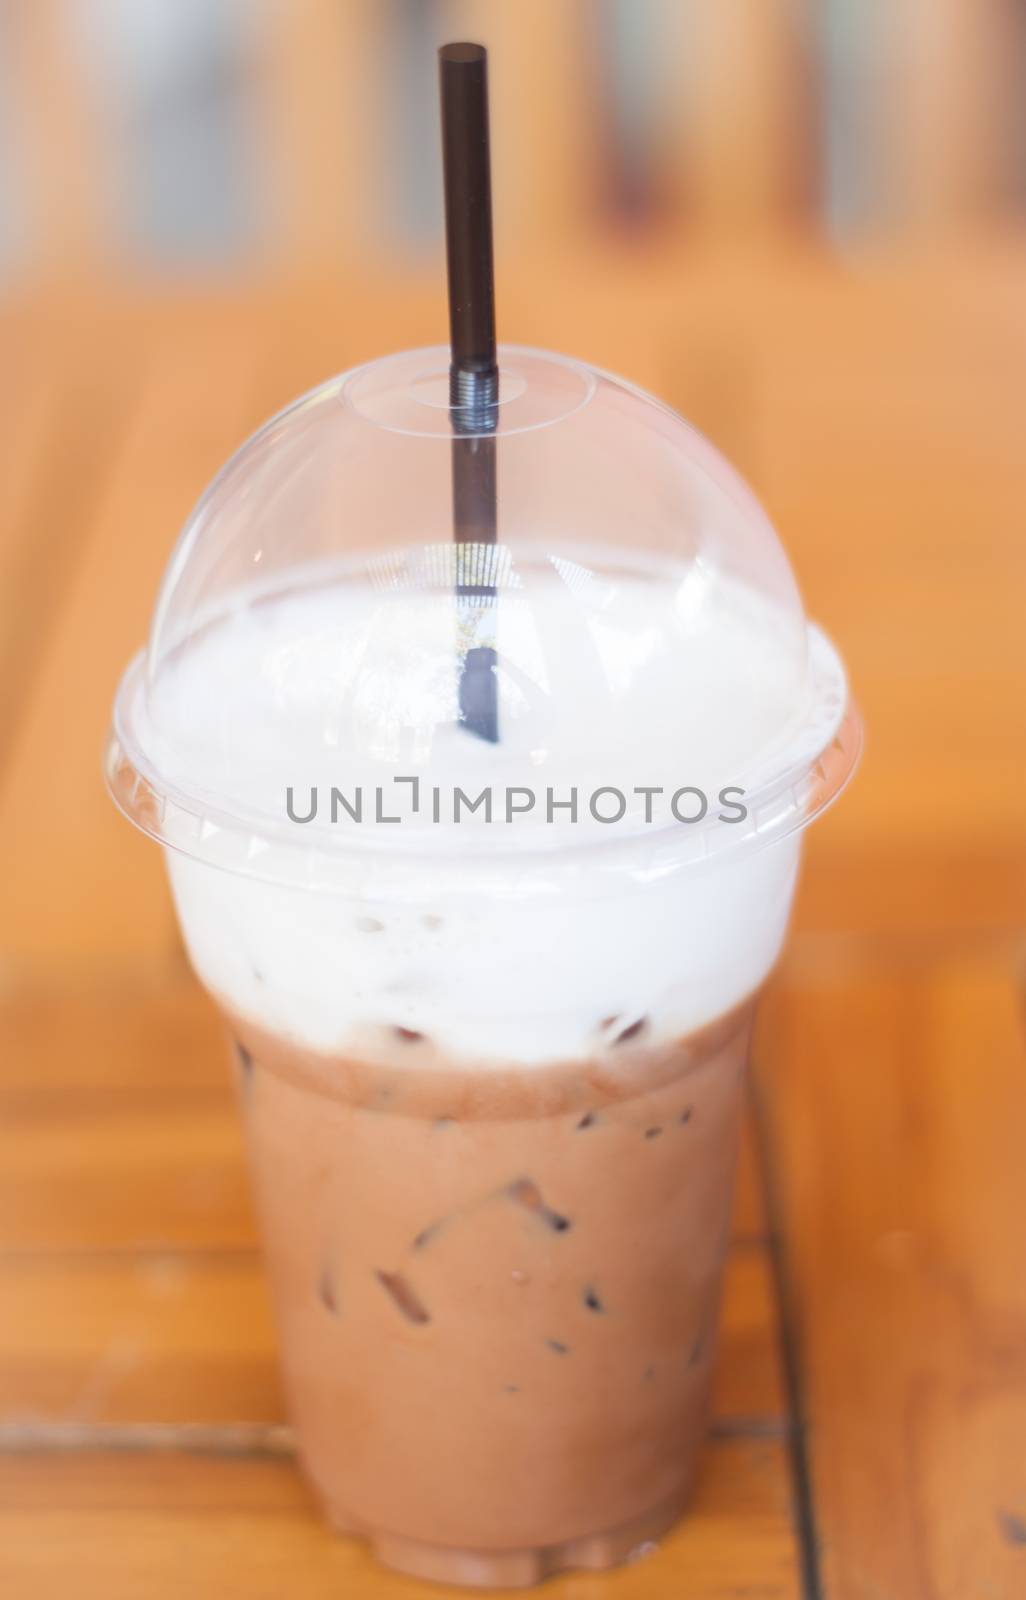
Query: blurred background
x=238 y=137
x=803 y=224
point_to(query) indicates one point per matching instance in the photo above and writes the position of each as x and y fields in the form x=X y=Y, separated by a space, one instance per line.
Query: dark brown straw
x=473 y=373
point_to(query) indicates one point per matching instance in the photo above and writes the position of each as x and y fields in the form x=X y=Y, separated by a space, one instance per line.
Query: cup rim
x=196 y=825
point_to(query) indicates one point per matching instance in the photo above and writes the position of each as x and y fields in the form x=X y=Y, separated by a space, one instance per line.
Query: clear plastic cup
x=490 y=1000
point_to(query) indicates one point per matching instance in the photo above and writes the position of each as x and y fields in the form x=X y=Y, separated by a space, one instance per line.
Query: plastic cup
x=490 y=1053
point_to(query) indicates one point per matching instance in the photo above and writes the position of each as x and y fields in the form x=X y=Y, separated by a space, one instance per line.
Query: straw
x=473 y=372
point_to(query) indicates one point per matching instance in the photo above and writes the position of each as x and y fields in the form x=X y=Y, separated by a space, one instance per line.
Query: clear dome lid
x=631 y=616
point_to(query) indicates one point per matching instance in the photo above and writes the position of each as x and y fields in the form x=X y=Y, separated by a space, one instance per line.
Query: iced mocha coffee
x=490 y=1059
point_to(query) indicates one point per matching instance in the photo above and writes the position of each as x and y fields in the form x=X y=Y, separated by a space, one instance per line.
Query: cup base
x=516 y=1569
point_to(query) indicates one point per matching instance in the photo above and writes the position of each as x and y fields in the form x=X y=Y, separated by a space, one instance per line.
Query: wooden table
x=870 y=1432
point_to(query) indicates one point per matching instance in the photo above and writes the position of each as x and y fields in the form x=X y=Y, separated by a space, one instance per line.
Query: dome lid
x=631 y=614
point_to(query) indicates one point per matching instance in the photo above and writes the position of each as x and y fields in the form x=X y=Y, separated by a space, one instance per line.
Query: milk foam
x=638 y=683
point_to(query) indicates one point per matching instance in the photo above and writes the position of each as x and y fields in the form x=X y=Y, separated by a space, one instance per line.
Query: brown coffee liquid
x=497 y=1289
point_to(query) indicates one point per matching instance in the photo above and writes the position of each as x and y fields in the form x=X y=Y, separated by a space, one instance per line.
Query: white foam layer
x=619 y=681
x=497 y=980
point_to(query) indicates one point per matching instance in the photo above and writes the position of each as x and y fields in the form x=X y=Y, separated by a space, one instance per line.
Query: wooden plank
x=107 y=1031
x=246 y=1530
x=749 y=1386
x=750 y=1225
x=173 y=1337
x=67 y=392
x=875 y=482
x=129 y=1170
x=895 y=1102
x=158 y=1338
x=72 y=847
x=903 y=887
